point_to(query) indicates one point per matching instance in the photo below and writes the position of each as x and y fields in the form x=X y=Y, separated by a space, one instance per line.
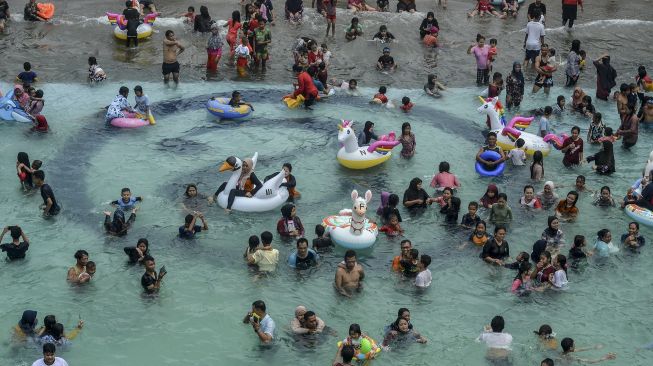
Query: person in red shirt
x=382 y=99
x=305 y=86
x=572 y=147
x=570 y=10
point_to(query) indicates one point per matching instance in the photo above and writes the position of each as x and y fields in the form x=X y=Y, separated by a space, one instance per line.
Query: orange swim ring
x=45 y=10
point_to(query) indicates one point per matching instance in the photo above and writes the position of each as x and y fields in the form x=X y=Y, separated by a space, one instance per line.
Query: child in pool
x=380 y=97
x=354 y=339
x=126 y=201
x=411 y=266
x=391 y=209
x=451 y=206
x=24 y=171
x=321 y=243
x=407 y=140
x=433 y=86
x=546 y=336
x=406 y=105
x=189 y=16
x=354 y=30
x=522 y=284
x=444 y=179
x=479 y=236
x=431 y=38
x=603 y=245
x=605 y=198
x=630 y=198
x=510 y=8
x=383 y=35
x=491 y=196
x=522 y=257
x=442 y=200
x=518 y=155
x=576 y=252
x=471 y=219
x=500 y=213
x=392 y=228
x=252 y=246
x=484 y=7
x=608 y=135
x=492 y=53
x=242 y=55
x=559 y=278
x=568 y=347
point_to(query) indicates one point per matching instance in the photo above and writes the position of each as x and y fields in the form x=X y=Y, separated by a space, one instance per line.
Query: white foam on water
x=601 y=22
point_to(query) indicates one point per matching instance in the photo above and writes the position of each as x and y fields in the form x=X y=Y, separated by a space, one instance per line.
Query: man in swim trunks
x=262 y=38
x=4 y=14
x=170 y=64
x=349 y=276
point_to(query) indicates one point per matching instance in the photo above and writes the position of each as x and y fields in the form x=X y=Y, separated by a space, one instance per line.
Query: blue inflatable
x=220 y=107
x=500 y=2
x=490 y=156
x=292 y=259
x=10 y=112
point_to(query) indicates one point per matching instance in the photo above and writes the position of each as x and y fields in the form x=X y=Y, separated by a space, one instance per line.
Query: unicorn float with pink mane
x=143 y=31
x=509 y=132
x=352 y=156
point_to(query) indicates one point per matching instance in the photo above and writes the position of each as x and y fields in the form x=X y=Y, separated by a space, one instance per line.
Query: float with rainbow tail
x=509 y=132
x=352 y=156
x=144 y=29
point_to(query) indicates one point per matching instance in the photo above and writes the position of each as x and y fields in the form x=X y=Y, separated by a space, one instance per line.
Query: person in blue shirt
x=28 y=76
x=189 y=229
x=126 y=201
x=603 y=246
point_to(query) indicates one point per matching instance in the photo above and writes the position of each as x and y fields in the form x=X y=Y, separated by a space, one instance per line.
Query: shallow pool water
x=197 y=316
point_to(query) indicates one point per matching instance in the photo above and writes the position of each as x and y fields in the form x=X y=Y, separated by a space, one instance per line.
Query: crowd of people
x=249 y=40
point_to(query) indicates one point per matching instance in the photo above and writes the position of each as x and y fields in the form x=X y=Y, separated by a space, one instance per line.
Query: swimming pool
x=197 y=316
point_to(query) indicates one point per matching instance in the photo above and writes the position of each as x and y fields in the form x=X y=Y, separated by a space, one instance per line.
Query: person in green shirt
x=262 y=38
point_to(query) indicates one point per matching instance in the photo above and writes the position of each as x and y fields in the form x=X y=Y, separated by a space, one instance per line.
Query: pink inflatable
x=129 y=122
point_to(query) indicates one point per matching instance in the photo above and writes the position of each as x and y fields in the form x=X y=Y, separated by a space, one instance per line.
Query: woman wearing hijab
x=491 y=196
x=604 y=159
x=577 y=98
x=415 y=196
x=118 y=226
x=26 y=325
x=572 y=70
x=203 y=20
x=548 y=196
x=247 y=186
x=427 y=24
x=289 y=224
x=605 y=77
x=515 y=86
x=366 y=136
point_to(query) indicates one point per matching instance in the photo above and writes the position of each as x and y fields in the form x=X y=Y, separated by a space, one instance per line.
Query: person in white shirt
x=559 y=278
x=533 y=39
x=261 y=322
x=498 y=343
x=517 y=155
x=49 y=358
x=424 y=278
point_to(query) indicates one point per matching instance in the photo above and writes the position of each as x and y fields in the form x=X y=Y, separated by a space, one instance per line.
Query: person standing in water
x=171 y=49
x=49 y=358
x=50 y=206
x=606 y=77
x=132 y=15
x=349 y=276
x=570 y=11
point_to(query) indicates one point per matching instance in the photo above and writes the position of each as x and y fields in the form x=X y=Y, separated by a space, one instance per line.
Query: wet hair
x=491 y=134
x=548 y=110
x=15 y=232
x=497 y=324
x=297 y=68
x=576 y=128
x=253 y=242
x=443 y=167
x=414 y=253
x=402 y=310
x=23 y=158
x=49 y=348
x=92 y=61
x=48 y=322
x=393 y=200
x=39 y=175
x=547 y=254
x=383 y=28
x=582 y=178
x=138 y=88
x=634 y=223
x=479 y=37
x=402 y=243
x=537 y=13
x=383 y=89
x=144 y=241
x=404 y=126
x=27 y=66
x=602 y=233
x=547 y=362
x=545 y=330
x=562 y=261
x=405 y=100
x=393 y=216
x=128 y=3
x=575 y=194
x=36 y=164
x=473 y=204
x=266 y=238
x=80 y=253
x=538 y=158
x=353 y=81
x=188 y=219
x=502 y=195
x=520 y=142
x=169 y=32
x=493 y=41
x=347 y=353
x=497 y=228
x=189 y=186
x=39 y=93
x=482 y=222
x=350 y=254
x=125 y=190
x=606 y=188
x=354 y=20
x=597 y=116
x=259 y=305
x=287 y=165
x=560 y=98
x=90 y=264
x=191 y=9
x=582 y=53
x=355 y=328
x=448 y=189
x=319 y=230
x=123 y=90
x=57 y=331
x=575 y=46
x=425 y=259
x=587 y=99
x=527 y=187
x=148 y=258
x=308 y=314
x=430 y=14
x=579 y=241
x=524 y=267
x=566 y=344
x=302 y=240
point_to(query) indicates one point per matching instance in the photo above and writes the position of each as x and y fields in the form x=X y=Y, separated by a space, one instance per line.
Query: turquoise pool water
x=197 y=317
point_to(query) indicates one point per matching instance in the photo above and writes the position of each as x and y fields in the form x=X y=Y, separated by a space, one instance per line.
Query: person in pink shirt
x=444 y=179
x=481 y=51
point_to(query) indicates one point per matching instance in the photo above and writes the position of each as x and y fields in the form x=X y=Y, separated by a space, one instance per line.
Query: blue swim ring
x=490 y=156
x=220 y=107
x=292 y=258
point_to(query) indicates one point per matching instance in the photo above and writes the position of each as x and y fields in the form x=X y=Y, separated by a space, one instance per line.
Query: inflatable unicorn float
x=352 y=156
x=268 y=197
x=351 y=229
x=144 y=29
x=508 y=133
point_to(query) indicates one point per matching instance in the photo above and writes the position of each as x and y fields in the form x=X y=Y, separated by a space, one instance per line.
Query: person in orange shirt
x=406 y=246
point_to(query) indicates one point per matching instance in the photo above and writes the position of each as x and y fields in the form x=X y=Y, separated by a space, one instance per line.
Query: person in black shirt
x=537 y=5
x=321 y=243
x=496 y=250
x=50 y=206
x=150 y=281
x=386 y=62
x=427 y=23
x=133 y=17
x=138 y=253
x=383 y=35
x=189 y=229
x=16 y=249
x=410 y=268
x=415 y=196
x=118 y=226
x=203 y=21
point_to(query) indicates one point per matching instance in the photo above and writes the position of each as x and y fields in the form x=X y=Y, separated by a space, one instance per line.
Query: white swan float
x=351 y=229
x=268 y=198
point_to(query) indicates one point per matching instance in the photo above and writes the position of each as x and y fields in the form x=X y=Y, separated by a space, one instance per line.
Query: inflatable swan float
x=269 y=197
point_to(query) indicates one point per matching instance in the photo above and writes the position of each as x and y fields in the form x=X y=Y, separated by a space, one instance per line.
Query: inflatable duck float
x=351 y=229
x=352 y=156
x=269 y=197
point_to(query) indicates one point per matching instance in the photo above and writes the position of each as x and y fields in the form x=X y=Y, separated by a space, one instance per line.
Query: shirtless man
x=349 y=276
x=647 y=111
x=170 y=64
x=75 y=272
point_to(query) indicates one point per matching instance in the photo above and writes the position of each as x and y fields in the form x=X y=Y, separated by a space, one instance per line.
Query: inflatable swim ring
x=639 y=214
x=10 y=112
x=352 y=156
x=220 y=107
x=268 y=197
x=368 y=348
x=129 y=122
x=143 y=31
x=292 y=259
x=490 y=156
x=338 y=227
x=45 y=10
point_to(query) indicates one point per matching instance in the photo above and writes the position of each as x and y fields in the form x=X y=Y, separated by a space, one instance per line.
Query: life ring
x=129 y=122
x=45 y=10
x=339 y=229
x=367 y=350
x=639 y=214
x=144 y=30
x=490 y=156
x=220 y=107
x=292 y=258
